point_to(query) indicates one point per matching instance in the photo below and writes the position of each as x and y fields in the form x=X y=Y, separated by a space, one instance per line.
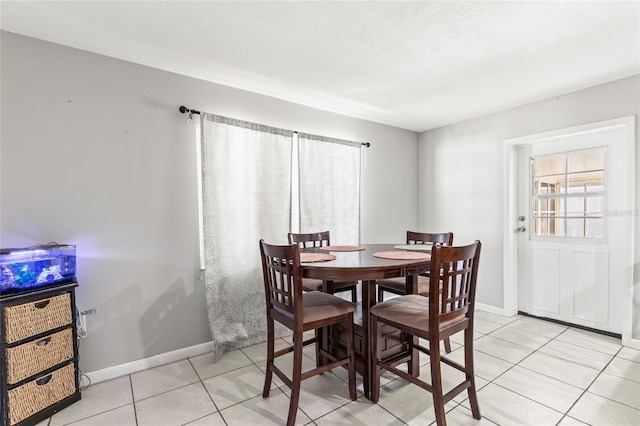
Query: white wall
x=95 y=153
x=461 y=166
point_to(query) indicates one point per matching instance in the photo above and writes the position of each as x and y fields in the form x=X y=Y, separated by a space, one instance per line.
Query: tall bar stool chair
x=399 y=285
x=316 y=240
x=300 y=312
x=448 y=310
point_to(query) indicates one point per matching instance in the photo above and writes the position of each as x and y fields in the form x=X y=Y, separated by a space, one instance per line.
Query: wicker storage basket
x=30 y=358
x=35 y=396
x=28 y=319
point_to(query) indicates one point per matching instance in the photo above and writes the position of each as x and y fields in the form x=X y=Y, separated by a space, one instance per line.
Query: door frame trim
x=509 y=242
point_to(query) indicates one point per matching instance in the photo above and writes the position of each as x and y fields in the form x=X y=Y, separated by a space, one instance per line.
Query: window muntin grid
x=568 y=194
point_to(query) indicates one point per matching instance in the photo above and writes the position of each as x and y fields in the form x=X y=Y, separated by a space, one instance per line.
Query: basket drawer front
x=28 y=319
x=35 y=396
x=30 y=358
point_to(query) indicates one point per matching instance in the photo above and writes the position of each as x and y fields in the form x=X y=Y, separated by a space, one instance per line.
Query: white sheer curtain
x=329 y=191
x=246 y=179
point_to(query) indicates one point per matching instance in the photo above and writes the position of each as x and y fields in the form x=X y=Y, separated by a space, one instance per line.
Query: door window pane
x=595 y=187
x=585 y=160
x=550 y=226
x=568 y=194
x=579 y=182
x=550 y=165
x=549 y=184
x=575 y=227
x=595 y=227
x=594 y=205
x=575 y=206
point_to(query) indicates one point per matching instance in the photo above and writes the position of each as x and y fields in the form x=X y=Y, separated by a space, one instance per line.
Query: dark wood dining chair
x=399 y=285
x=300 y=312
x=449 y=309
x=316 y=240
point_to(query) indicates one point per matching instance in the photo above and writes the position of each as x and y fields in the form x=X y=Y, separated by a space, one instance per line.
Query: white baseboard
x=168 y=357
x=145 y=363
x=492 y=309
x=632 y=343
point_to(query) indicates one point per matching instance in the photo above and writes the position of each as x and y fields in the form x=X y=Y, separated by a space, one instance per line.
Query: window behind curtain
x=329 y=187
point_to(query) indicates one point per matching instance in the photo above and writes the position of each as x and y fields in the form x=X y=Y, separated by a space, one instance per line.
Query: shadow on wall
x=167 y=317
x=109 y=339
x=132 y=324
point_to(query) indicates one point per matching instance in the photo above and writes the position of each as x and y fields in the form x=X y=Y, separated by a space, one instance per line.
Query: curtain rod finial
x=183 y=109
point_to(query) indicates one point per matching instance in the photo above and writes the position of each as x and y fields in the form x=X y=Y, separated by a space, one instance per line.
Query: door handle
x=521 y=229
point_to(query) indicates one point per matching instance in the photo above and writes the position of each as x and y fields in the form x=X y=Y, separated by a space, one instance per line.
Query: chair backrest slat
x=454 y=272
x=282 y=278
x=444 y=238
x=310 y=240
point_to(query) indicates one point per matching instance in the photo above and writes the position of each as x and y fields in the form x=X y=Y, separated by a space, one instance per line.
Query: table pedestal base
x=392 y=342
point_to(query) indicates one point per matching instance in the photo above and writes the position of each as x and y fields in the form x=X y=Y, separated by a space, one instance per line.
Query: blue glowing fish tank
x=24 y=269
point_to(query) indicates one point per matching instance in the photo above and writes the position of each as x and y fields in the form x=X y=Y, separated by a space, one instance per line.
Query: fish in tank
x=29 y=268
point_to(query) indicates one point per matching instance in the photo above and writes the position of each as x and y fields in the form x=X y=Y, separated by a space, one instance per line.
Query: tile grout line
x=133 y=399
x=586 y=389
x=492 y=381
x=50 y=419
x=557 y=338
x=518 y=364
x=217 y=410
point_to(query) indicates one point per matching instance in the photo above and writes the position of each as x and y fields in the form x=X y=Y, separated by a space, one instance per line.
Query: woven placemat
x=316 y=257
x=342 y=248
x=402 y=255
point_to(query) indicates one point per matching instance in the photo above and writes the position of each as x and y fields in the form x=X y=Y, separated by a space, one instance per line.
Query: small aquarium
x=24 y=269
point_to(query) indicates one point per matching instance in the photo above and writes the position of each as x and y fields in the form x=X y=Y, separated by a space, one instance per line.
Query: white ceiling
x=414 y=65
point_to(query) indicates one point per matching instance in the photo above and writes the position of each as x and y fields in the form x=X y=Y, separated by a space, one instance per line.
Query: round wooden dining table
x=362 y=264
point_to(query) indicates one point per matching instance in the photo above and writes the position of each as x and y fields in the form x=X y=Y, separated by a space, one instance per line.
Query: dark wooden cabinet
x=38 y=354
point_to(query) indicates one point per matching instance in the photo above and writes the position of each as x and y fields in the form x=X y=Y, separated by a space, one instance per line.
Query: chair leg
x=354 y=294
x=469 y=371
x=413 y=367
x=447 y=345
x=351 y=353
x=366 y=383
x=296 y=379
x=380 y=295
x=270 y=351
x=375 y=369
x=436 y=383
x=318 y=333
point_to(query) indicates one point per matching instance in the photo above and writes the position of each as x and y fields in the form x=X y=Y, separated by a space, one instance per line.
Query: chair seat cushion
x=399 y=285
x=312 y=284
x=317 y=305
x=411 y=310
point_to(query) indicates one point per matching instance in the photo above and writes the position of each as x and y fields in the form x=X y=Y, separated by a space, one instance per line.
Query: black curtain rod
x=183 y=109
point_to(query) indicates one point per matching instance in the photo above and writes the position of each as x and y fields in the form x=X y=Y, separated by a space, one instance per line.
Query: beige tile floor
x=529 y=372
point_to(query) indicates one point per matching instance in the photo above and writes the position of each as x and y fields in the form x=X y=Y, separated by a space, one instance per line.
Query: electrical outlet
x=91 y=311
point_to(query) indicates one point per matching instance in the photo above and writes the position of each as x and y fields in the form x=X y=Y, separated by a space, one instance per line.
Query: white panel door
x=572 y=250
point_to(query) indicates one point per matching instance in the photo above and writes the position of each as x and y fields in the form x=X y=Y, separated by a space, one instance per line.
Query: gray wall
x=461 y=168
x=95 y=153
